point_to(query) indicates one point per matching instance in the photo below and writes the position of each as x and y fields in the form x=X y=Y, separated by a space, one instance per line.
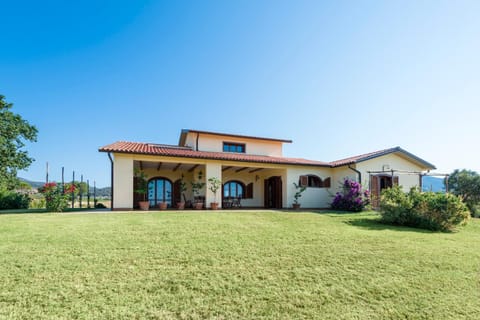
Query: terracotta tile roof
x=375 y=154
x=184 y=152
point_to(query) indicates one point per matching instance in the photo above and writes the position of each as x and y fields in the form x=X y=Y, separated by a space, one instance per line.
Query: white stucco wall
x=393 y=162
x=123 y=182
x=214 y=143
x=341 y=173
x=311 y=197
x=213 y=170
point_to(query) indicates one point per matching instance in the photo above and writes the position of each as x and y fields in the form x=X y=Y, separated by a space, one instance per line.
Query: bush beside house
x=351 y=198
x=426 y=210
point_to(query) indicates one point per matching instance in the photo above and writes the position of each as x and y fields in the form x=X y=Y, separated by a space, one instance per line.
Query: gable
x=392 y=161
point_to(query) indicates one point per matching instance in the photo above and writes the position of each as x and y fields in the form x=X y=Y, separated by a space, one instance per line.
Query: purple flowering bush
x=351 y=198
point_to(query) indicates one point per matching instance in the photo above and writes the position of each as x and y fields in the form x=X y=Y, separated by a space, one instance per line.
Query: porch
x=242 y=186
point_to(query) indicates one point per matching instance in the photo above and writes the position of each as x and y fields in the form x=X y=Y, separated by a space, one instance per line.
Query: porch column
x=213 y=170
x=122 y=183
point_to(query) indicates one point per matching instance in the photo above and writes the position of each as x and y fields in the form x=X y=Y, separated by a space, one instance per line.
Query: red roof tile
x=184 y=152
x=375 y=154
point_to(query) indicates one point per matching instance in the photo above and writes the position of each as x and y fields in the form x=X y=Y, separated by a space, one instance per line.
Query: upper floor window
x=233 y=147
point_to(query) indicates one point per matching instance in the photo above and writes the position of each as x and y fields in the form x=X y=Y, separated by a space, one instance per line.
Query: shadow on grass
x=376 y=224
x=341 y=214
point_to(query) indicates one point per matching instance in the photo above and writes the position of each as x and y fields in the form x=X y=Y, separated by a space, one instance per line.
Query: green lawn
x=234 y=265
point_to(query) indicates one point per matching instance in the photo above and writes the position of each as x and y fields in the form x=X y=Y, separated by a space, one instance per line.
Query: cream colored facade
x=214 y=143
x=265 y=180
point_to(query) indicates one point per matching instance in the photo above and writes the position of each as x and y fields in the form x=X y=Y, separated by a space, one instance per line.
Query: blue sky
x=339 y=78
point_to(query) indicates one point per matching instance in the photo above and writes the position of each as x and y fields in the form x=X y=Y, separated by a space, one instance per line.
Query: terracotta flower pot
x=180 y=205
x=163 y=205
x=214 y=205
x=296 y=206
x=198 y=205
x=144 y=205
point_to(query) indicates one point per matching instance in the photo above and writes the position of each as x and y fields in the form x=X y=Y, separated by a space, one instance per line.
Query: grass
x=234 y=265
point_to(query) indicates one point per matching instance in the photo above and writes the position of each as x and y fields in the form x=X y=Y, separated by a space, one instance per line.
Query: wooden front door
x=273 y=193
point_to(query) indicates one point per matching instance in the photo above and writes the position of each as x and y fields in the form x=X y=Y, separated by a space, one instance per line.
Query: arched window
x=313 y=181
x=234 y=189
x=159 y=190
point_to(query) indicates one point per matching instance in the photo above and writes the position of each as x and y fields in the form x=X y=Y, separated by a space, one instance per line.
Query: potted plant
x=141 y=188
x=196 y=187
x=182 y=188
x=163 y=205
x=299 y=190
x=214 y=184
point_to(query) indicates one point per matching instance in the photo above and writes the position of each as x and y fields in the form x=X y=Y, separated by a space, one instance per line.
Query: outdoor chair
x=236 y=202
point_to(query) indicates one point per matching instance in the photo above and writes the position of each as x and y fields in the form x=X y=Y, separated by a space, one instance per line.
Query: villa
x=253 y=171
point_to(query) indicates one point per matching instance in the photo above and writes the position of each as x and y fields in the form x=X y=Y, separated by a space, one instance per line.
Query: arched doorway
x=160 y=190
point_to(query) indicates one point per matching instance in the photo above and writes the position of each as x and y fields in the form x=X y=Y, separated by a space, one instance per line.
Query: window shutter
x=303 y=181
x=266 y=195
x=395 y=181
x=326 y=183
x=249 y=191
x=374 y=191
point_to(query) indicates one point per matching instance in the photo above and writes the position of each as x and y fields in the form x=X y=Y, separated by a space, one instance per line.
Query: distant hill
x=100 y=192
x=434 y=184
x=33 y=184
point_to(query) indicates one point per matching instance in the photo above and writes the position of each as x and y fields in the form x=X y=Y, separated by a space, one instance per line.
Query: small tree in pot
x=182 y=187
x=214 y=184
x=299 y=190
x=141 y=188
x=196 y=187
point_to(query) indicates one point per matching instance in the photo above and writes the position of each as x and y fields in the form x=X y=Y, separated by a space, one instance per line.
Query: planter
x=180 y=205
x=296 y=206
x=214 y=205
x=198 y=205
x=163 y=205
x=144 y=205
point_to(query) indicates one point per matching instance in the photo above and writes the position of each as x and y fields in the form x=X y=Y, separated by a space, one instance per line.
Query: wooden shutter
x=326 y=183
x=249 y=191
x=265 y=193
x=374 y=191
x=177 y=194
x=303 y=181
x=278 y=193
x=395 y=181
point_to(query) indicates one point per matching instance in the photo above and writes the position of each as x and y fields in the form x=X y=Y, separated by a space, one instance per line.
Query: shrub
x=38 y=203
x=427 y=210
x=13 y=200
x=100 y=206
x=352 y=198
x=56 y=199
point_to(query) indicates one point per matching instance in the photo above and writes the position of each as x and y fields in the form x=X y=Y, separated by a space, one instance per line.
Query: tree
x=14 y=132
x=466 y=184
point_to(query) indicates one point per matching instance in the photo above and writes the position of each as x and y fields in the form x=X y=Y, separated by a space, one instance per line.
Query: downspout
x=196 y=146
x=358 y=172
x=111 y=181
